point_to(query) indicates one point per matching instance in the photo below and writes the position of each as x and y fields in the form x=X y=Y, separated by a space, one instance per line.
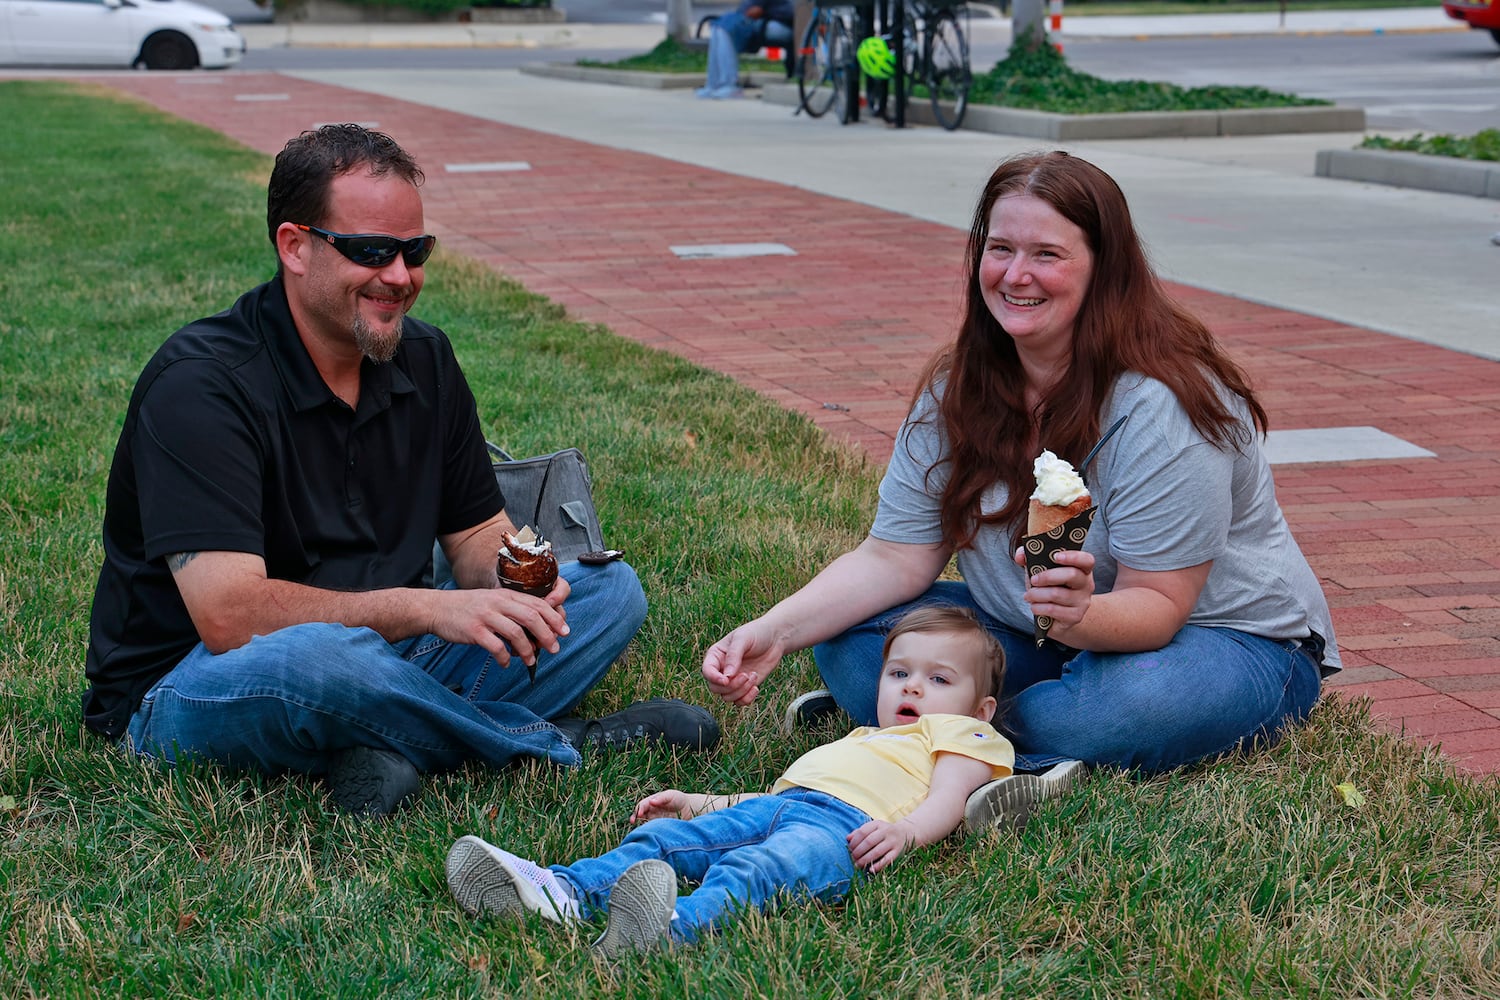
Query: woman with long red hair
x=1189 y=624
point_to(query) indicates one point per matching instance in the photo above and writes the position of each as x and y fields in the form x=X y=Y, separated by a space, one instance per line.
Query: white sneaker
x=640 y=909
x=485 y=879
x=1006 y=803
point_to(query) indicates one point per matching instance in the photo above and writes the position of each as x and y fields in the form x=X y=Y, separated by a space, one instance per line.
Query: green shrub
x=1482 y=145
x=1035 y=75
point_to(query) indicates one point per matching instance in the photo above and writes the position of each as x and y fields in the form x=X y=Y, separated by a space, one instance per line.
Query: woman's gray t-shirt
x=1168 y=498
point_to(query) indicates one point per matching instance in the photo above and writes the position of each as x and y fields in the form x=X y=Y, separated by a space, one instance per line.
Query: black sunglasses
x=374 y=249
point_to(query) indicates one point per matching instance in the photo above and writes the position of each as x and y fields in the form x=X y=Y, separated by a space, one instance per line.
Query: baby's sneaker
x=485 y=879
x=640 y=909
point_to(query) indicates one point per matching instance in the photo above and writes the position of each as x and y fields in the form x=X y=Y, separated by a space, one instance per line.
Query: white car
x=155 y=34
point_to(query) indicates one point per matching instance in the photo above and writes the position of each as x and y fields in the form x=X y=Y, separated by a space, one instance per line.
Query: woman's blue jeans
x=793 y=844
x=286 y=701
x=1207 y=692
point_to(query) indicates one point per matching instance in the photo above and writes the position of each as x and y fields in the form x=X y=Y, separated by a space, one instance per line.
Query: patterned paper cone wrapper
x=1039 y=549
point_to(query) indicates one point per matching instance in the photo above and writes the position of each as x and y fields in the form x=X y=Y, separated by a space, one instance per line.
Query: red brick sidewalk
x=1408 y=551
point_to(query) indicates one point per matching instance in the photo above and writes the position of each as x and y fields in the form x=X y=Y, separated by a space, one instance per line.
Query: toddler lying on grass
x=851 y=806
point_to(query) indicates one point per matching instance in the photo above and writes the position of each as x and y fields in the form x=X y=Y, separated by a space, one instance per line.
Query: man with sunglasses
x=283 y=471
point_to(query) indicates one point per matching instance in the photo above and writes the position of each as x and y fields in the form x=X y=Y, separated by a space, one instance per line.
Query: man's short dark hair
x=307 y=165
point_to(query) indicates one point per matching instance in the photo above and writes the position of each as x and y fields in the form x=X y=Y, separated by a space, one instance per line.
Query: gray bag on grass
x=555 y=495
x=552 y=493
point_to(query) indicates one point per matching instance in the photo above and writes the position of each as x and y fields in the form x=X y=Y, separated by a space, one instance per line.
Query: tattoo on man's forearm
x=177 y=560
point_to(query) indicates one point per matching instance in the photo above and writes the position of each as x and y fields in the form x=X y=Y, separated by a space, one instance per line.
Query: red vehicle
x=1478 y=13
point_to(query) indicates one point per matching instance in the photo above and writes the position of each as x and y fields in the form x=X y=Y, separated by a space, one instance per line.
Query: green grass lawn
x=1246 y=878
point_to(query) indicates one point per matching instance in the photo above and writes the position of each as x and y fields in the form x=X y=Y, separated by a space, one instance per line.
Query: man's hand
x=879 y=842
x=230 y=599
x=505 y=622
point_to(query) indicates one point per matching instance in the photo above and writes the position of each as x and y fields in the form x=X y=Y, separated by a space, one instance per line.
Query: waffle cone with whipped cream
x=526 y=563
x=1058 y=518
x=1059 y=496
x=1043 y=517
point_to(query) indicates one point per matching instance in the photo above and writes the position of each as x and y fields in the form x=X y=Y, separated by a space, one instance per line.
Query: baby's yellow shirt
x=886 y=773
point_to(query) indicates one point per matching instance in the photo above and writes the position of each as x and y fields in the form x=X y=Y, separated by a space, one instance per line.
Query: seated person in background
x=283 y=470
x=751 y=25
x=847 y=807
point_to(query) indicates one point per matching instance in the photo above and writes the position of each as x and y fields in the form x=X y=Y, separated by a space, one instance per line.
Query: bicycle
x=945 y=62
x=823 y=63
x=935 y=57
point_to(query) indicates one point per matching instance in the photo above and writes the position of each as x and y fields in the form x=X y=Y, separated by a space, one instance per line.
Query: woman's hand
x=873 y=577
x=1064 y=592
x=1143 y=610
x=736 y=665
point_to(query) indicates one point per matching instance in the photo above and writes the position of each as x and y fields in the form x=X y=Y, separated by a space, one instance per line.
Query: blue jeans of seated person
x=732 y=34
x=1207 y=692
x=793 y=844
x=285 y=701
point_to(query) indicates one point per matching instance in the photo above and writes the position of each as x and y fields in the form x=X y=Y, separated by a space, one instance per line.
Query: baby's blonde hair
x=959 y=621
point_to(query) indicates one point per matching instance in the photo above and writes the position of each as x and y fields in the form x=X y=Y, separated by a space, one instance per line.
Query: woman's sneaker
x=485 y=879
x=640 y=909
x=810 y=709
x=1006 y=803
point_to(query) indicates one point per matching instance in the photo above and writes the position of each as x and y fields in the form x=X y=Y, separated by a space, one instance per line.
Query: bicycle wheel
x=820 y=63
x=946 y=62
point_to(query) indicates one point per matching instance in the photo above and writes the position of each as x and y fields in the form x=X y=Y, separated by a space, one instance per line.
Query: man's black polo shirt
x=233 y=442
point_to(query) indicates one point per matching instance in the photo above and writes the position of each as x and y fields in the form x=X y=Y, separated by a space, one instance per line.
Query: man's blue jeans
x=1207 y=692
x=794 y=843
x=286 y=701
x=730 y=35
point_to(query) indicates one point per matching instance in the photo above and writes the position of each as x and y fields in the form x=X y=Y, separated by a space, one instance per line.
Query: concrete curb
x=1133 y=125
x=1450 y=175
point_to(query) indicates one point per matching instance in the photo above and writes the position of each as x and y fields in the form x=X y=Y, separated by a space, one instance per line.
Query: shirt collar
x=377 y=383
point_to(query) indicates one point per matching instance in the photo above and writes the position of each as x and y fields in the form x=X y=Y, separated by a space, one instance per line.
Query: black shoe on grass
x=811 y=708
x=370 y=782
x=660 y=720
